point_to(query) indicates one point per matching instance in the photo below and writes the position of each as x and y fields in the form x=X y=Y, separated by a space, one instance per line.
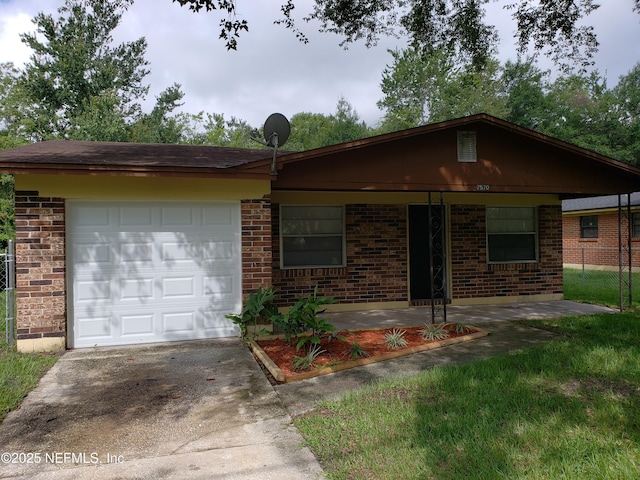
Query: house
x=126 y=243
x=595 y=229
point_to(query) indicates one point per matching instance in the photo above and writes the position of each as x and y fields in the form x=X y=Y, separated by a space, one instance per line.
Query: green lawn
x=19 y=374
x=567 y=409
x=601 y=287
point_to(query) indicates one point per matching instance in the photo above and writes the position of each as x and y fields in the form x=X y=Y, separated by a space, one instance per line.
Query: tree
x=75 y=71
x=554 y=28
x=626 y=114
x=7 y=210
x=314 y=130
x=422 y=88
x=159 y=126
x=411 y=87
x=525 y=88
x=10 y=98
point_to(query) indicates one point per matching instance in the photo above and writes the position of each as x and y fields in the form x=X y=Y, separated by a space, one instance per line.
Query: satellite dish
x=276 y=133
x=276 y=130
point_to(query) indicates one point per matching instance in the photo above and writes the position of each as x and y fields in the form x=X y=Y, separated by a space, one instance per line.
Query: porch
x=462 y=314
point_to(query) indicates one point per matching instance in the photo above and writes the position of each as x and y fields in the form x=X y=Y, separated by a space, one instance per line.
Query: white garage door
x=152 y=272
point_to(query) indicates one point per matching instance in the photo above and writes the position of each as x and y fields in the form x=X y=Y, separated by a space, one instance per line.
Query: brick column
x=40 y=272
x=256 y=244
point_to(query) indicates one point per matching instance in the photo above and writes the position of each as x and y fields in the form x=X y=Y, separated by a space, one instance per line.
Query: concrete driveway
x=196 y=410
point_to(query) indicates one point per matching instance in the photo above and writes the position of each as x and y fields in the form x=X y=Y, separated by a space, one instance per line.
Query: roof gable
x=510 y=159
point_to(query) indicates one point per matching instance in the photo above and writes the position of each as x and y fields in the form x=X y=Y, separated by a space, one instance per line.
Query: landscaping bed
x=353 y=348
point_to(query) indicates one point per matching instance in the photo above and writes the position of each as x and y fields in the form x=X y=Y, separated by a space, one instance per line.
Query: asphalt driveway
x=197 y=410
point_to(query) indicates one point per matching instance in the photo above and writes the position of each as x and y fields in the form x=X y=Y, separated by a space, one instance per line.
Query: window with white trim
x=512 y=234
x=312 y=236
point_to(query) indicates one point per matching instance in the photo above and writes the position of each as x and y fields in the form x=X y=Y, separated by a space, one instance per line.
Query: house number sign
x=482 y=188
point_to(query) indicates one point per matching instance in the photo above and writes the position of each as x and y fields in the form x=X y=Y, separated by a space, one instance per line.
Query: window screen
x=312 y=236
x=512 y=234
x=589 y=226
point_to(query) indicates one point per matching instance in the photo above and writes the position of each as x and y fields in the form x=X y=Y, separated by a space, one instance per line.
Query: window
x=467 y=146
x=635 y=219
x=512 y=234
x=589 y=226
x=312 y=236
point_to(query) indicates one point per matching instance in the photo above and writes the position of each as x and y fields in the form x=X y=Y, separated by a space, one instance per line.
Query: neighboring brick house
x=595 y=229
x=129 y=243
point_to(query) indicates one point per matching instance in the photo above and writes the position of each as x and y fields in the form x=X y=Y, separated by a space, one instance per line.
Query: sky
x=272 y=71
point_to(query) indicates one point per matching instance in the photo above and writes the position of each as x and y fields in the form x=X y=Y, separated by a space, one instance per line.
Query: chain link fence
x=594 y=274
x=7 y=295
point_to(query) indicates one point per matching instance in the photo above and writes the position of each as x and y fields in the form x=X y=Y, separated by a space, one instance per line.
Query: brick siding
x=256 y=244
x=40 y=266
x=601 y=251
x=376 y=270
x=377 y=255
x=473 y=277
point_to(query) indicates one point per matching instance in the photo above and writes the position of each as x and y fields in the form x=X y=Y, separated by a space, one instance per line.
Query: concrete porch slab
x=463 y=314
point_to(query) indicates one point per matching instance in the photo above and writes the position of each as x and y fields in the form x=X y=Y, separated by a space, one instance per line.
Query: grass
x=566 y=409
x=595 y=286
x=19 y=374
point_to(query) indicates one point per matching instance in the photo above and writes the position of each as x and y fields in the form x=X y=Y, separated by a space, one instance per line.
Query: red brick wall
x=376 y=270
x=472 y=277
x=256 y=245
x=40 y=266
x=601 y=251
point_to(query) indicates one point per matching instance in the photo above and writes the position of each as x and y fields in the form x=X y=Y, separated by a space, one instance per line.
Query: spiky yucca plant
x=435 y=331
x=395 y=339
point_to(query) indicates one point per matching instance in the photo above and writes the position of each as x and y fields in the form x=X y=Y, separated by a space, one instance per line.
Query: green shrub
x=259 y=305
x=303 y=317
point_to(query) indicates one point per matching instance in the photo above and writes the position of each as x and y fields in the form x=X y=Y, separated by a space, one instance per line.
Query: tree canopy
x=553 y=27
x=79 y=85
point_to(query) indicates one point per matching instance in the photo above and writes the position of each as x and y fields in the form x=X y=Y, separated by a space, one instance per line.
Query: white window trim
x=536 y=234
x=344 y=238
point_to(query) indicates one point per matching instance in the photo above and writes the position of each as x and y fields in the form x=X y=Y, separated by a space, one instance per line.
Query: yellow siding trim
x=396 y=198
x=142 y=188
x=45 y=344
x=543 y=297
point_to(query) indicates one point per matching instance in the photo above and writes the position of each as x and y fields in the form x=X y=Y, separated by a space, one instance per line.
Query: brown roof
x=65 y=156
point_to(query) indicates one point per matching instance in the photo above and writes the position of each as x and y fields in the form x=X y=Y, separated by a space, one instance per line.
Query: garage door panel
x=178 y=287
x=219 y=217
x=92 y=253
x=136 y=252
x=153 y=272
x=137 y=325
x=138 y=290
x=94 y=328
x=176 y=216
x=136 y=216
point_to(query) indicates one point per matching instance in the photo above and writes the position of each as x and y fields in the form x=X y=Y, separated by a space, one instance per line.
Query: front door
x=423 y=235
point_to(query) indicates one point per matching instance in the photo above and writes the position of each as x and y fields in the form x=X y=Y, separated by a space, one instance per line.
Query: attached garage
x=152 y=272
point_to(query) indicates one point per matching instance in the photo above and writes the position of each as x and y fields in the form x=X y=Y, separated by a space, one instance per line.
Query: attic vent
x=467 y=146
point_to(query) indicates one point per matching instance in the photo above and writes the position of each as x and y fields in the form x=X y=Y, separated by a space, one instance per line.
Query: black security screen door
x=421 y=236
